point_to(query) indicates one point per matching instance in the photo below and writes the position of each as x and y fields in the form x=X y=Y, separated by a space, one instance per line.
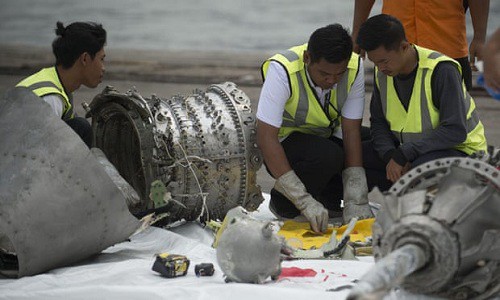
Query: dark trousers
x=375 y=167
x=83 y=128
x=318 y=162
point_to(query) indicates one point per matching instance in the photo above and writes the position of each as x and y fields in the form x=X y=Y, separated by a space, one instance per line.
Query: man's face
x=323 y=73
x=94 y=69
x=389 y=62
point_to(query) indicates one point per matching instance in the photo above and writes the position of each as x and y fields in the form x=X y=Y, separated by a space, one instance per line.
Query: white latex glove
x=290 y=185
x=355 y=194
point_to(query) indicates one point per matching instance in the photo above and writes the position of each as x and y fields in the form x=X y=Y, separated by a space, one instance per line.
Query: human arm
x=384 y=141
x=274 y=94
x=491 y=56
x=448 y=98
x=479 y=10
x=354 y=177
x=362 y=10
x=55 y=102
x=273 y=152
x=352 y=115
x=351 y=134
x=288 y=183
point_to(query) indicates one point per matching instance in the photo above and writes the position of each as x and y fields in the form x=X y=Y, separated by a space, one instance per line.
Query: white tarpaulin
x=124 y=271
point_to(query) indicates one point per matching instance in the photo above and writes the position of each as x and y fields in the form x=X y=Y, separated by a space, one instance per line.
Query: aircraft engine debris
x=201 y=147
x=438 y=232
x=249 y=251
x=59 y=201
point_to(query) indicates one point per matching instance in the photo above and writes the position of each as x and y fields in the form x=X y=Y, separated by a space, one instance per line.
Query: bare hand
x=395 y=171
x=475 y=52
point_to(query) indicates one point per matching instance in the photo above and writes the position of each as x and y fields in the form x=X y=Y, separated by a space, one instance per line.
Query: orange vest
x=434 y=24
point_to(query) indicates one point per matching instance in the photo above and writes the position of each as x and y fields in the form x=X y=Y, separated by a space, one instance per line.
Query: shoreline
x=169 y=66
x=149 y=65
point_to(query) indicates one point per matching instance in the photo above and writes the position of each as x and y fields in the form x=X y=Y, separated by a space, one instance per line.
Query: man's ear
x=405 y=45
x=84 y=58
x=307 y=57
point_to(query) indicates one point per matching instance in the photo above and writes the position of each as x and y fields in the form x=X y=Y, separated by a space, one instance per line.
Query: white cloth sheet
x=124 y=272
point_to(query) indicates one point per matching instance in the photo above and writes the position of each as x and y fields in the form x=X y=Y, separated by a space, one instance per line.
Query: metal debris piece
x=127 y=191
x=202 y=147
x=58 y=205
x=438 y=232
x=249 y=250
x=333 y=249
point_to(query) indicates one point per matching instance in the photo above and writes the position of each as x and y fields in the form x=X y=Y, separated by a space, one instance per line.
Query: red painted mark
x=297 y=272
x=326 y=277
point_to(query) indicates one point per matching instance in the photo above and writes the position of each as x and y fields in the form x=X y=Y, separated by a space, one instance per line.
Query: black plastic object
x=204 y=269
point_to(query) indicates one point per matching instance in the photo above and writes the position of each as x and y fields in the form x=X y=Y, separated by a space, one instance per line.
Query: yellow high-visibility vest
x=303 y=111
x=46 y=82
x=422 y=117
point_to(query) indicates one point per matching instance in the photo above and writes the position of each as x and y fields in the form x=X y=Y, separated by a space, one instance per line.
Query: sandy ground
x=170 y=73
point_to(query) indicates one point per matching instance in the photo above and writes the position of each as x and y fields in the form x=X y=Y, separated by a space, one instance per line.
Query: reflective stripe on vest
x=419 y=121
x=303 y=111
x=46 y=82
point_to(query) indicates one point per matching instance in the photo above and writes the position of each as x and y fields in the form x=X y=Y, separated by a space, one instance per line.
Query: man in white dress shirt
x=309 y=129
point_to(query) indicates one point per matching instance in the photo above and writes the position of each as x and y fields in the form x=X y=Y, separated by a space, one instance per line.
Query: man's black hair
x=332 y=42
x=75 y=39
x=381 y=30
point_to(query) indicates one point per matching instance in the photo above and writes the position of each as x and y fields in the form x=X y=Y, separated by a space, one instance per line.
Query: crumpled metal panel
x=448 y=208
x=201 y=146
x=57 y=203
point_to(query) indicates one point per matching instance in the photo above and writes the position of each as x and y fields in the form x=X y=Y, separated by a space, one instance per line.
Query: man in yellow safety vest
x=79 y=52
x=420 y=109
x=309 y=129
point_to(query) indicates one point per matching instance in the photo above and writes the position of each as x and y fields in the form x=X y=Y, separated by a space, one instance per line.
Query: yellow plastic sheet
x=300 y=235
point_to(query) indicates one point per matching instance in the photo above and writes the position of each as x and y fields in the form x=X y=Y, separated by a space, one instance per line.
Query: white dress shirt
x=275 y=93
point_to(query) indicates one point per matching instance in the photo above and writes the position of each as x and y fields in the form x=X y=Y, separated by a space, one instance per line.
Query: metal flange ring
x=430 y=173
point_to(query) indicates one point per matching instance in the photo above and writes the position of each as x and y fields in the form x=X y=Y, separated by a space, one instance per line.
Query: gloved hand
x=355 y=195
x=290 y=186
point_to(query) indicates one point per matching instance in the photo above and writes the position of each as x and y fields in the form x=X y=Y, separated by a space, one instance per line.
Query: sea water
x=226 y=25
